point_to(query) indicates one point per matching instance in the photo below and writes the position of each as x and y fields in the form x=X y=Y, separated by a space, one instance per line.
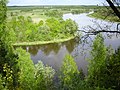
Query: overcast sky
x=54 y=2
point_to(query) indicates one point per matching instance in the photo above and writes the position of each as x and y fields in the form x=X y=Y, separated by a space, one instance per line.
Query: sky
x=54 y=2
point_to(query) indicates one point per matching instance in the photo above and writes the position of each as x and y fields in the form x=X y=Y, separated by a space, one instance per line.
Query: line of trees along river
x=17 y=71
x=24 y=30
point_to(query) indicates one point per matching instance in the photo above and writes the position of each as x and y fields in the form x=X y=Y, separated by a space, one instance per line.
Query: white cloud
x=54 y=2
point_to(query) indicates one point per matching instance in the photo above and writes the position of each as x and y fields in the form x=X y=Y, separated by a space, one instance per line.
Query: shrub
x=26 y=74
x=2 y=84
x=113 y=69
x=70 y=75
x=97 y=63
x=43 y=76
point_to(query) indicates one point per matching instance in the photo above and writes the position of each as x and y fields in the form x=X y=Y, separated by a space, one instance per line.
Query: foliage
x=2 y=84
x=104 y=66
x=54 y=13
x=70 y=26
x=97 y=62
x=8 y=58
x=20 y=73
x=3 y=10
x=26 y=73
x=79 y=11
x=113 y=69
x=39 y=77
x=70 y=75
x=105 y=14
x=24 y=30
x=43 y=76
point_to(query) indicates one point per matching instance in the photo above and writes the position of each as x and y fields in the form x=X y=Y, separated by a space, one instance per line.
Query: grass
x=35 y=15
x=43 y=42
x=37 y=18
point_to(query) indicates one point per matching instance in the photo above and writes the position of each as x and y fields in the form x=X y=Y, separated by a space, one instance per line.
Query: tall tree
x=96 y=68
x=8 y=58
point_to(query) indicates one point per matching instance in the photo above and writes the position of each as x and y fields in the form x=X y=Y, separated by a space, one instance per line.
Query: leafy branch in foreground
x=8 y=58
x=70 y=76
x=104 y=66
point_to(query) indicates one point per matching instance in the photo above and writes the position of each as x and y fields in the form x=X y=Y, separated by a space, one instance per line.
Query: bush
x=97 y=63
x=44 y=77
x=70 y=75
x=113 y=70
x=104 y=66
x=26 y=74
x=2 y=84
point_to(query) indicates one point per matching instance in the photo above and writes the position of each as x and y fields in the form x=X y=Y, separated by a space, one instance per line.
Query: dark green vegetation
x=8 y=59
x=17 y=71
x=24 y=30
x=105 y=14
x=103 y=70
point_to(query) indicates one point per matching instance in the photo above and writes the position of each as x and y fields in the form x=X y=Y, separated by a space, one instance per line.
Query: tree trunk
x=114 y=8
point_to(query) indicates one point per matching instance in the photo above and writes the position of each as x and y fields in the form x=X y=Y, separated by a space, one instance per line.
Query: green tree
x=113 y=69
x=8 y=59
x=104 y=66
x=26 y=73
x=70 y=26
x=97 y=63
x=54 y=13
x=44 y=77
x=70 y=75
x=41 y=22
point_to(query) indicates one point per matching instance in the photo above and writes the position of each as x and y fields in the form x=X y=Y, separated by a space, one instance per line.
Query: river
x=53 y=54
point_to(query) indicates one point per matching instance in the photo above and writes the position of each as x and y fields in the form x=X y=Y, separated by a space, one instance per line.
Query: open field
x=38 y=13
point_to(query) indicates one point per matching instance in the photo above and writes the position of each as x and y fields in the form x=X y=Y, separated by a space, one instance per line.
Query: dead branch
x=97 y=32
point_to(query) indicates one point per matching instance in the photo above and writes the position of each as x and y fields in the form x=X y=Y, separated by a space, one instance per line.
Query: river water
x=53 y=54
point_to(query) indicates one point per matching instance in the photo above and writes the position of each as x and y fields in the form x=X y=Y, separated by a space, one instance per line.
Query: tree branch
x=114 y=8
x=96 y=32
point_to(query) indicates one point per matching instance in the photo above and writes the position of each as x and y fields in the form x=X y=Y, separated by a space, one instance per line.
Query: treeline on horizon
x=53 y=6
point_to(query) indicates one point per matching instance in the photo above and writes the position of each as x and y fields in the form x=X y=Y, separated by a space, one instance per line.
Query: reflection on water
x=53 y=54
x=48 y=48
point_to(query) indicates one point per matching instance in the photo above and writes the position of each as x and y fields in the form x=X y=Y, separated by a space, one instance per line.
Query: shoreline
x=43 y=42
x=101 y=18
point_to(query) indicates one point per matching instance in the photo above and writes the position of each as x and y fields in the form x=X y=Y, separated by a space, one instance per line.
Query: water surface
x=53 y=54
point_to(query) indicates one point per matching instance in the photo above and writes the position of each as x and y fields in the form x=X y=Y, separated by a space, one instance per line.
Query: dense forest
x=18 y=72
